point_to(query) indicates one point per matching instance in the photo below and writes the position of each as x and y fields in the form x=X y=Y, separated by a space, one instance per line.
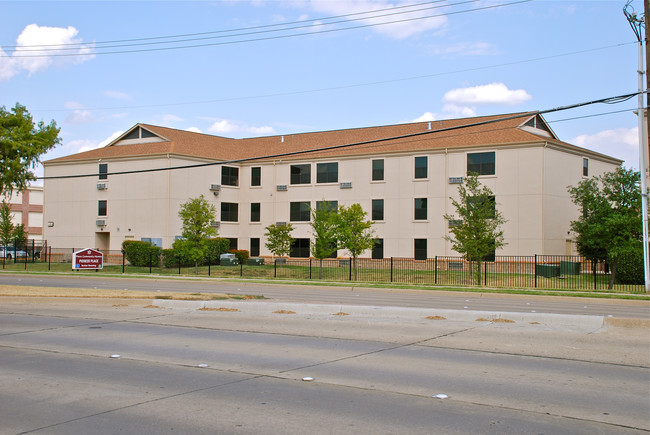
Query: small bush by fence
x=538 y=271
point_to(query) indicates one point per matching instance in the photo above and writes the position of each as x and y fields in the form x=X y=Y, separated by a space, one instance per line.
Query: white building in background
x=27 y=209
x=402 y=175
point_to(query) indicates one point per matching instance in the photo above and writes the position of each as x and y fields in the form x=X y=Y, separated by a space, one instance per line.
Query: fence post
x=535 y=271
x=485 y=273
x=391 y=269
x=49 y=258
x=149 y=262
x=123 y=262
x=310 y=268
x=435 y=270
x=350 y=268
x=275 y=268
x=209 y=263
x=241 y=269
x=594 y=267
x=179 y=263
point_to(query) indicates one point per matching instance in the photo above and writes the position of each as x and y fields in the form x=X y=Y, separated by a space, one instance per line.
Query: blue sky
x=295 y=69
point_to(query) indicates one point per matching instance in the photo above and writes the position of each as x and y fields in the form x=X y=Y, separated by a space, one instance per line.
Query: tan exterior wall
x=27 y=209
x=529 y=185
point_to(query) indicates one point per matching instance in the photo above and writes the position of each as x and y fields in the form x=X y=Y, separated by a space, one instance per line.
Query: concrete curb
x=265 y=308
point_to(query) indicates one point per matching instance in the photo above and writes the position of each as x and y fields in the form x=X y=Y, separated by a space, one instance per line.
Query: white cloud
x=427 y=116
x=79 y=146
x=194 y=130
x=79 y=117
x=117 y=95
x=31 y=53
x=228 y=127
x=170 y=119
x=399 y=30
x=494 y=93
x=622 y=143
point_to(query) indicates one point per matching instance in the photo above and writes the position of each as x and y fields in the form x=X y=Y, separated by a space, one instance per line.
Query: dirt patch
x=153 y=306
x=340 y=313
x=482 y=319
x=436 y=318
x=284 y=312
x=503 y=321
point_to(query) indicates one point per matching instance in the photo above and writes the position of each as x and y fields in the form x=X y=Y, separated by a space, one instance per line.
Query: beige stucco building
x=402 y=175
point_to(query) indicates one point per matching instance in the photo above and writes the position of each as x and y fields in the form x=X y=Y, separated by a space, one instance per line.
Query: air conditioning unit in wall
x=280 y=224
x=215 y=224
x=100 y=222
x=455 y=180
x=215 y=187
x=346 y=185
x=101 y=186
x=281 y=188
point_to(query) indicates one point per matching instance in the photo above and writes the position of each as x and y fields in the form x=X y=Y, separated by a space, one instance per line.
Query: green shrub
x=170 y=258
x=630 y=267
x=241 y=255
x=141 y=254
x=216 y=247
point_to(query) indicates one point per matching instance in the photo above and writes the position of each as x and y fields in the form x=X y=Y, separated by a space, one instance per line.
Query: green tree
x=6 y=225
x=197 y=215
x=477 y=232
x=610 y=223
x=323 y=225
x=21 y=145
x=353 y=232
x=19 y=236
x=278 y=239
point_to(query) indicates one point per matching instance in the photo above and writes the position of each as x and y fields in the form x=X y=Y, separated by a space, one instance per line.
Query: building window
x=585 y=167
x=300 y=211
x=378 y=170
x=327 y=205
x=420 y=212
x=377 y=209
x=327 y=172
x=255 y=212
x=103 y=171
x=102 y=208
x=421 y=167
x=256 y=176
x=233 y=244
x=481 y=163
x=229 y=176
x=420 y=249
x=255 y=247
x=300 y=174
x=378 y=249
x=229 y=212
x=300 y=248
x=491 y=200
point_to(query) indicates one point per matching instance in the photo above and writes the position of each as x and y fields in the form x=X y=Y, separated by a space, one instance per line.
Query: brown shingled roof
x=486 y=130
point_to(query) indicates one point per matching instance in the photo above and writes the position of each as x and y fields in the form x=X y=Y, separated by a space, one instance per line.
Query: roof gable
x=537 y=125
x=137 y=134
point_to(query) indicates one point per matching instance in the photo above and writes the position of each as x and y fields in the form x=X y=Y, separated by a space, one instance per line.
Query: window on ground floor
x=420 y=249
x=300 y=248
x=378 y=249
x=255 y=247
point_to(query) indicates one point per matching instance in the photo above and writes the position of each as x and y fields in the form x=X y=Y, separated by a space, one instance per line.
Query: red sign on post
x=87 y=259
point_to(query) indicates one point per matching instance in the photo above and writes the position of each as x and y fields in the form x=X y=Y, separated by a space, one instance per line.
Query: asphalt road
x=354 y=295
x=108 y=367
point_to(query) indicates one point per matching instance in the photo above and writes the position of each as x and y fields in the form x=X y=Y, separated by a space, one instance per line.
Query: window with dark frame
x=300 y=248
x=327 y=172
x=481 y=163
x=420 y=209
x=378 y=170
x=256 y=176
x=421 y=167
x=233 y=243
x=331 y=205
x=255 y=247
x=102 y=207
x=377 y=210
x=585 y=167
x=300 y=174
x=474 y=200
x=229 y=212
x=420 y=249
x=255 y=212
x=103 y=171
x=229 y=176
x=300 y=211
x=378 y=249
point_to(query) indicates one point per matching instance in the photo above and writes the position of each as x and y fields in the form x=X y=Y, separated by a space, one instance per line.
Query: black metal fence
x=536 y=271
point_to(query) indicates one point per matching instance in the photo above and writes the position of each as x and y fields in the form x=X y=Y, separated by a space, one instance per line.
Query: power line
x=608 y=100
x=268 y=38
x=245 y=31
x=349 y=86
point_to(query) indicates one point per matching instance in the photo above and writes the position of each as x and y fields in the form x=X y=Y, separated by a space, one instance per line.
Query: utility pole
x=637 y=25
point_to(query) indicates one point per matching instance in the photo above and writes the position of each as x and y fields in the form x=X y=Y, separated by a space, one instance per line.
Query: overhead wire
x=607 y=100
x=268 y=38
